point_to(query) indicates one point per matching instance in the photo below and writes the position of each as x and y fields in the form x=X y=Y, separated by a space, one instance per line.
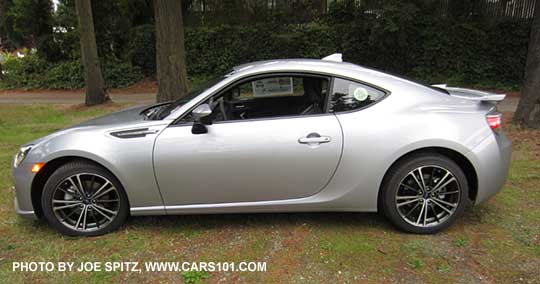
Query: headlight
x=19 y=158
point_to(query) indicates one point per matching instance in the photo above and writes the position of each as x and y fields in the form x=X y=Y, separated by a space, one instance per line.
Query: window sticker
x=273 y=87
x=360 y=94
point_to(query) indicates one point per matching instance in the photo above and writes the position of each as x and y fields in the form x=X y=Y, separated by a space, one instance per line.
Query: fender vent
x=133 y=133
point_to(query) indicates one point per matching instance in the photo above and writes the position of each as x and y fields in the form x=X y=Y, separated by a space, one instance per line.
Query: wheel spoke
x=75 y=186
x=83 y=191
x=444 y=208
x=409 y=187
x=84 y=218
x=445 y=202
x=80 y=217
x=66 y=206
x=408 y=197
x=65 y=191
x=408 y=202
x=448 y=192
x=412 y=209
x=104 y=215
x=426 y=211
x=444 y=185
x=438 y=185
x=421 y=211
x=68 y=215
x=416 y=180
x=66 y=201
x=105 y=209
x=105 y=192
x=422 y=178
x=95 y=195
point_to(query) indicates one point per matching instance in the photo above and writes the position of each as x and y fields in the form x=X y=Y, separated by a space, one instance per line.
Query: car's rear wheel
x=424 y=193
x=83 y=199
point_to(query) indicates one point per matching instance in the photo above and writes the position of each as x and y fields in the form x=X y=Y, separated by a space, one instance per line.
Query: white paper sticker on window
x=273 y=87
x=360 y=94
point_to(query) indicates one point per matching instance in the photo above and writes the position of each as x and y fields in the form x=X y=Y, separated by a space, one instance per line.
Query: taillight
x=494 y=121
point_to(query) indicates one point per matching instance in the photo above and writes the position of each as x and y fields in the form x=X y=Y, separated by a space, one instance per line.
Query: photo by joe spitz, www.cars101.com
x=295 y=135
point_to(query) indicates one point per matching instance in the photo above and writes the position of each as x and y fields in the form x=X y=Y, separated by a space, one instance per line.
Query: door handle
x=314 y=138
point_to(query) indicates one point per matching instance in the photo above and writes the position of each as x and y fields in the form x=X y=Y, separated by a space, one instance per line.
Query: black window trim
x=330 y=77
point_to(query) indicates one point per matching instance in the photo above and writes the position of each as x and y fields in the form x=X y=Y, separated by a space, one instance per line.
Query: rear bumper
x=491 y=160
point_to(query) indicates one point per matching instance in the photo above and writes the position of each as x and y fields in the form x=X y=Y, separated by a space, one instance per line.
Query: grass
x=496 y=242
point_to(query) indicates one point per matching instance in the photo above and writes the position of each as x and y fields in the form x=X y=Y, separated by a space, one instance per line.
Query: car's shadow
x=215 y=222
x=472 y=216
x=254 y=220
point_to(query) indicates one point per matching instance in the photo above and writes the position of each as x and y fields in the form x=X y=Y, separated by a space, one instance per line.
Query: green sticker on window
x=360 y=94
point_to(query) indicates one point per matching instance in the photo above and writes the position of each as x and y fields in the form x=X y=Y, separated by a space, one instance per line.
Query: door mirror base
x=199 y=128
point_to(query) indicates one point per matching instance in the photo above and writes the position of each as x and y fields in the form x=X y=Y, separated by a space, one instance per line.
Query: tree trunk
x=95 y=87
x=170 y=53
x=528 y=110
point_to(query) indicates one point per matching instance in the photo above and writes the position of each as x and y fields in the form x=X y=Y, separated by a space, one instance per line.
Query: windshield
x=168 y=109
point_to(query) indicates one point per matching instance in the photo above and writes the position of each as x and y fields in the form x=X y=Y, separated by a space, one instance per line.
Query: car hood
x=123 y=116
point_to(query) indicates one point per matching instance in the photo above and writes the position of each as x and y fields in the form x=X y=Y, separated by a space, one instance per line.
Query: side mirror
x=201 y=111
x=201 y=116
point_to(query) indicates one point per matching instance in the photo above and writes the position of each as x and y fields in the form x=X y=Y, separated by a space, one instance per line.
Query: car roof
x=322 y=66
x=291 y=63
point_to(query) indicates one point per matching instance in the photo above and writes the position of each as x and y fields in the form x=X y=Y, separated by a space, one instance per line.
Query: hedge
x=424 y=48
x=33 y=72
x=460 y=53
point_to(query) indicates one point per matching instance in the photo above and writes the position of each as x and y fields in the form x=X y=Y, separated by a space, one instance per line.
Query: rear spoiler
x=474 y=95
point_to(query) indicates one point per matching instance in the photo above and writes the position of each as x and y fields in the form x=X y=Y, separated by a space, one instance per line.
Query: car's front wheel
x=424 y=193
x=83 y=199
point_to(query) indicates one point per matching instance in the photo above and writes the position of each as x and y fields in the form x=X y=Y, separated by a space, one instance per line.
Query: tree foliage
x=24 y=22
x=409 y=38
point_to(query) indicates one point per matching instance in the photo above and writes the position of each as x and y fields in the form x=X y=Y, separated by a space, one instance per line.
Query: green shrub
x=141 y=48
x=32 y=72
x=403 y=38
x=119 y=74
x=65 y=75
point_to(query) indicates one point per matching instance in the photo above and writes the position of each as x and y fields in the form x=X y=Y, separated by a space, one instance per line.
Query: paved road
x=69 y=98
x=508 y=105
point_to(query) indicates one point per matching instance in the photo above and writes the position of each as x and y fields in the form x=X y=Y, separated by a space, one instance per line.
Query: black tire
x=400 y=173
x=84 y=168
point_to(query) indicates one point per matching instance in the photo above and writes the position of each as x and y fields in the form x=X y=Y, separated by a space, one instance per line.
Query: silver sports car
x=274 y=136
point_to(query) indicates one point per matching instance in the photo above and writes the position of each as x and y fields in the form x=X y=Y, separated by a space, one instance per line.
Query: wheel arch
x=48 y=169
x=461 y=160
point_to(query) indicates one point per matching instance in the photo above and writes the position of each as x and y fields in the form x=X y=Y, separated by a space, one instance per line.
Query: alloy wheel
x=85 y=202
x=427 y=196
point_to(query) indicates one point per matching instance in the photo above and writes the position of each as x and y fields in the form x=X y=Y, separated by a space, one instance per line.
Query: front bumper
x=26 y=214
x=22 y=178
x=491 y=160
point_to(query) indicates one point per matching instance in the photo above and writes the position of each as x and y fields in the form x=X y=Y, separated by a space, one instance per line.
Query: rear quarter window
x=349 y=95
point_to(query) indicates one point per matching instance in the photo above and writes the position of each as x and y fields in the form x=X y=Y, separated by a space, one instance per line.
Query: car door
x=247 y=161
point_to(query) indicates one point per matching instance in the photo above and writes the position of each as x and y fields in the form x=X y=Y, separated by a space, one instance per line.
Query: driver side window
x=272 y=96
